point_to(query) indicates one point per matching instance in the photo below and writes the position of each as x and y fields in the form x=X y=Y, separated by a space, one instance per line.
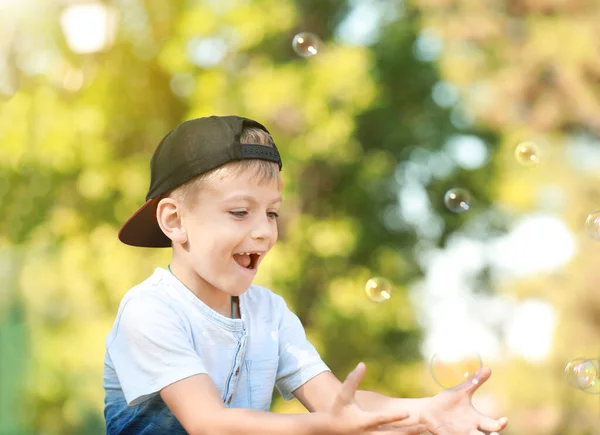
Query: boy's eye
x=271 y=214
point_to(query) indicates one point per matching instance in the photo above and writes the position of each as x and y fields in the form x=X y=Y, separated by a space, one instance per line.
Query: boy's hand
x=349 y=419
x=451 y=412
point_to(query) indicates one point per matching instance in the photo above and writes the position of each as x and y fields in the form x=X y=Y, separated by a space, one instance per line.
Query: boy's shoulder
x=150 y=289
x=149 y=300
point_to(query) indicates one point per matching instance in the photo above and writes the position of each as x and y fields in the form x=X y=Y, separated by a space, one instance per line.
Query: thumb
x=350 y=385
x=475 y=381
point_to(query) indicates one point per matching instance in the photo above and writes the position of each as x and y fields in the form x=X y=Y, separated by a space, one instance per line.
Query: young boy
x=198 y=348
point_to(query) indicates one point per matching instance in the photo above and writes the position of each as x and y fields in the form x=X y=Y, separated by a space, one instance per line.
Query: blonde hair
x=264 y=170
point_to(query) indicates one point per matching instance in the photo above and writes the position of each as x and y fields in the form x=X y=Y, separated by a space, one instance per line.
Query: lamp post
x=89 y=26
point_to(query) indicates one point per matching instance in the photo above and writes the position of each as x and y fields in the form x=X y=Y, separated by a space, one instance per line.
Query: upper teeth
x=247 y=253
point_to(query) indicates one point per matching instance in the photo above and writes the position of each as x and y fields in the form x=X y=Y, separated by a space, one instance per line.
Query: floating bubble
x=582 y=373
x=306 y=44
x=448 y=371
x=527 y=153
x=457 y=200
x=592 y=225
x=379 y=289
x=594 y=389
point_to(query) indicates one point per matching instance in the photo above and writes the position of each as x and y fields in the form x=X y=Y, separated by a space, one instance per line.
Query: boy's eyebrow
x=250 y=199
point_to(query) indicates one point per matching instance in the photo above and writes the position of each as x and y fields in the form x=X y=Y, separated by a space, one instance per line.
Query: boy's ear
x=168 y=215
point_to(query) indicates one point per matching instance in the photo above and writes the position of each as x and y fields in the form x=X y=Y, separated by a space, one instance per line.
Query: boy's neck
x=217 y=300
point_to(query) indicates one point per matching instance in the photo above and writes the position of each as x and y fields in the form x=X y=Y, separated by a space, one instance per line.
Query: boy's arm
x=318 y=394
x=449 y=412
x=196 y=404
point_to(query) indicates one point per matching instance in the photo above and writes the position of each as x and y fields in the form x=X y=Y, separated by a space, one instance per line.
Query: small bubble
x=582 y=373
x=457 y=200
x=306 y=44
x=527 y=153
x=378 y=289
x=448 y=371
x=595 y=388
x=592 y=225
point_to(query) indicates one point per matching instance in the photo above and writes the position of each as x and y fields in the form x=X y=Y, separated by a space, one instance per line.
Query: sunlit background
x=442 y=188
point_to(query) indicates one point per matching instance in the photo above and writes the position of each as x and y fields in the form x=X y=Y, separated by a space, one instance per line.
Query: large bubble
x=448 y=371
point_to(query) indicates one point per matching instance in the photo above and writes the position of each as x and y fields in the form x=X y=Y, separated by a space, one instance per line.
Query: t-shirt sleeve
x=151 y=349
x=299 y=361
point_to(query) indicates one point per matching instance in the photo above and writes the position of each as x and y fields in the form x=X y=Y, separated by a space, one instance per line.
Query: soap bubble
x=448 y=371
x=527 y=153
x=306 y=44
x=378 y=289
x=592 y=225
x=457 y=200
x=593 y=388
x=582 y=373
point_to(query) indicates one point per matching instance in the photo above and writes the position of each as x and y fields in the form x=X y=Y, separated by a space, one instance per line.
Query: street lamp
x=89 y=27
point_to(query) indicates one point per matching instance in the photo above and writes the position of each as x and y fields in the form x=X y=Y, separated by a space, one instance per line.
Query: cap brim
x=142 y=228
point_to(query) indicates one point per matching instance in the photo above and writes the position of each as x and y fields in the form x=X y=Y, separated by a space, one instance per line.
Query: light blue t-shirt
x=163 y=333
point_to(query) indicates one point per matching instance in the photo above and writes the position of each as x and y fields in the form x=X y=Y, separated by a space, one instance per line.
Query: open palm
x=350 y=419
x=452 y=413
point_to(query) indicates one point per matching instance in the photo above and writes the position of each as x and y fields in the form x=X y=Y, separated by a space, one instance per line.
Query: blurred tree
x=528 y=70
x=359 y=127
x=77 y=137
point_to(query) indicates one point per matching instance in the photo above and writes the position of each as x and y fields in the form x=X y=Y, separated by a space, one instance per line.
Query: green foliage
x=76 y=139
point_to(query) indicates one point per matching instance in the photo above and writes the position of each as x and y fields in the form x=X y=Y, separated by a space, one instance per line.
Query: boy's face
x=235 y=215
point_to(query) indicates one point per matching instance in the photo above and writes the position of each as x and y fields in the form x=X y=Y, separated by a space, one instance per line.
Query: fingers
x=412 y=430
x=379 y=420
x=485 y=432
x=415 y=430
x=349 y=387
x=476 y=380
x=352 y=381
x=492 y=424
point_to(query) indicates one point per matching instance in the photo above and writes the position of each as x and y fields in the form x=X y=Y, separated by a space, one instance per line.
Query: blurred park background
x=403 y=101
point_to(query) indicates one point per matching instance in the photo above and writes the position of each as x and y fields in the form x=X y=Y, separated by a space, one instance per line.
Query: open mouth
x=248 y=260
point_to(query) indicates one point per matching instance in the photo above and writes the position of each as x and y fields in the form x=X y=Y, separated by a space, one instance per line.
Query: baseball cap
x=191 y=149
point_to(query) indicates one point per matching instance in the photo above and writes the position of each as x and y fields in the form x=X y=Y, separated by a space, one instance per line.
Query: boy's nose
x=264 y=229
